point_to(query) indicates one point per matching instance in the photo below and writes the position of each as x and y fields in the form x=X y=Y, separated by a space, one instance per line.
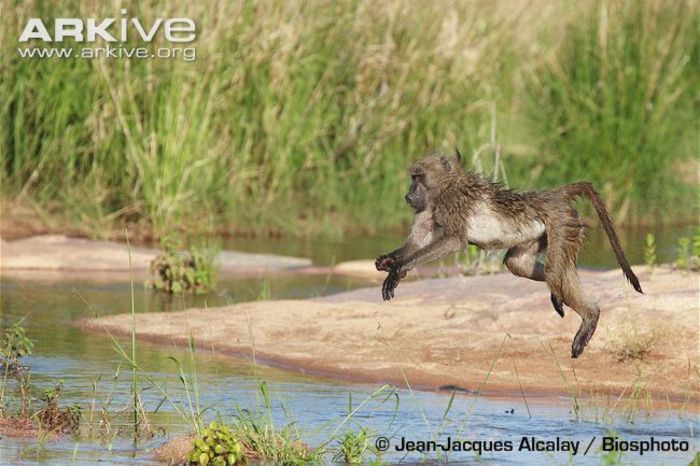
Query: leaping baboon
x=455 y=207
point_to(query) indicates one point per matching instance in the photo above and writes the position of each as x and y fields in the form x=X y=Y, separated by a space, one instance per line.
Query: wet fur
x=455 y=207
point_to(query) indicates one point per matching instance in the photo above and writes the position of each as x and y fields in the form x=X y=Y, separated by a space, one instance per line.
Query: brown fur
x=455 y=207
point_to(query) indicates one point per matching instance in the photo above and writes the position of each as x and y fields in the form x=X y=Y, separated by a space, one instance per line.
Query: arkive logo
x=110 y=29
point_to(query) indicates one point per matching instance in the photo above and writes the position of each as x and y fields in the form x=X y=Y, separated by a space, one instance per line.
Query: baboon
x=455 y=207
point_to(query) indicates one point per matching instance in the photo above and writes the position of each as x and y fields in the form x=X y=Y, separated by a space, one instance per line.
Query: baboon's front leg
x=432 y=251
x=421 y=235
x=385 y=261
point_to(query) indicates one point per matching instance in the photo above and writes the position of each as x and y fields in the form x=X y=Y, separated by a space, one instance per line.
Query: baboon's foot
x=558 y=305
x=583 y=336
x=384 y=262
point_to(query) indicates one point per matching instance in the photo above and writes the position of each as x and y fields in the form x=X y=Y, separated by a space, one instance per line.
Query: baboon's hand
x=384 y=262
x=392 y=281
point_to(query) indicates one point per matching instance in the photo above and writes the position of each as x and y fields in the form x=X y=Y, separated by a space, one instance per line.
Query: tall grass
x=613 y=102
x=304 y=115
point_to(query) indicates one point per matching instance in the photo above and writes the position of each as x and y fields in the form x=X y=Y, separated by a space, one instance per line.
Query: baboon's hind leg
x=564 y=244
x=522 y=261
x=574 y=297
x=558 y=304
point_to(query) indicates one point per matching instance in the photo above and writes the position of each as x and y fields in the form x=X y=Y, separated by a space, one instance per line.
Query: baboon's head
x=428 y=176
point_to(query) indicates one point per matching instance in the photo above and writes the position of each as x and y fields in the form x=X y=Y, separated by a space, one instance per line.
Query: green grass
x=353 y=447
x=304 y=117
x=613 y=101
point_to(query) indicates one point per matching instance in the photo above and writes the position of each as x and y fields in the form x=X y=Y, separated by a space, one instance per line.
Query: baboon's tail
x=585 y=188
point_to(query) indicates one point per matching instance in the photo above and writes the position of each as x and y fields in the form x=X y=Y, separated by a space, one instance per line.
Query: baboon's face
x=425 y=179
x=417 y=193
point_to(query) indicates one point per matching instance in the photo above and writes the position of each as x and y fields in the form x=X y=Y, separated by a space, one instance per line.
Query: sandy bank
x=61 y=253
x=450 y=331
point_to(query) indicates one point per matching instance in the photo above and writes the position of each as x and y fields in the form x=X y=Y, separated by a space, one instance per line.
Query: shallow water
x=318 y=405
x=596 y=252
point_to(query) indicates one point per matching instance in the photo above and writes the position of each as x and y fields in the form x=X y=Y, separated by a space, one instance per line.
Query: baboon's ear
x=446 y=163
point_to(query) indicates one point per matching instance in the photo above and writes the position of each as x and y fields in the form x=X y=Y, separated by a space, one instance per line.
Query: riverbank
x=50 y=253
x=470 y=333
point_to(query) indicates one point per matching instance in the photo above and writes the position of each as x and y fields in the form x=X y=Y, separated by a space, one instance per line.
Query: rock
x=61 y=253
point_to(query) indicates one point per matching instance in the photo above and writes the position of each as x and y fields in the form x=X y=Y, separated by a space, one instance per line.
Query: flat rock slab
x=465 y=332
x=61 y=253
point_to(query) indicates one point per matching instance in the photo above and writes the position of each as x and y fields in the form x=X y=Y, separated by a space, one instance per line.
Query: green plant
x=192 y=412
x=650 y=251
x=570 y=387
x=612 y=457
x=688 y=256
x=15 y=345
x=134 y=372
x=13 y=348
x=192 y=271
x=696 y=460
x=55 y=419
x=353 y=446
x=312 y=130
x=263 y=440
x=612 y=99
x=216 y=446
x=630 y=343
x=683 y=259
x=265 y=292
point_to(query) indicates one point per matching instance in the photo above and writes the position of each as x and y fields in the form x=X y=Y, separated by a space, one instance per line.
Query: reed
x=302 y=117
x=613 y=103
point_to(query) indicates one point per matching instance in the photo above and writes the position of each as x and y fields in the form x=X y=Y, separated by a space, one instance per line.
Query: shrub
x=629 y=343
x=173 y=271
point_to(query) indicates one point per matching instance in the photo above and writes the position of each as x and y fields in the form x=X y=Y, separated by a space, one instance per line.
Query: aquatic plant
x=353 y=447
x=262 y=439
x=216 y=446
x=13 y=348
x=175 y=271
x=192 y=411
x=50 y=417
x=612 y=457
x=54 y=418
